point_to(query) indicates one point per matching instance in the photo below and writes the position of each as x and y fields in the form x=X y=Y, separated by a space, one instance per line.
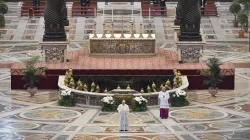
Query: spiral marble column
x=54 y=21
x=190 y=21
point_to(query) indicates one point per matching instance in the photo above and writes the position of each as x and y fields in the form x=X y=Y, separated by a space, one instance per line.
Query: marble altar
x=128 y=45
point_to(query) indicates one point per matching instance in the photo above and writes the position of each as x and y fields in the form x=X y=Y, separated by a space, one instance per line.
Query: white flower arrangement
x=108 y=100
x=66 y=92
x=140 y=99
x=179 y=93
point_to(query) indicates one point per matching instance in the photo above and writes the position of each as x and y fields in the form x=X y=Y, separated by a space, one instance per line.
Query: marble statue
x=97 y=89
x=128 y=87
x=168 y=85
x=79 y=87
x=190 y=21
x=85 y=87
x=154 y=87
x=106 y=90
x=54 y=21
x=92 y=87
x=149 y=89
x=142 y=91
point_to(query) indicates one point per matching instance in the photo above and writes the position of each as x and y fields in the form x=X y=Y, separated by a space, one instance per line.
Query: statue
x=72 y=84
x=106 y=90
x=149 y=89
x=190 y=22
x=79 y=87
x=118 y=87
x=66 y=82
x=154 y=87
x=85 y=87
x=97 y=89
x=177 y=21
x=92 y=87
x=128 y=87
x=54 y=21
x=79 y=82
x=175 y=85
x=142 y=91
x=168 y=85
x=161 y=86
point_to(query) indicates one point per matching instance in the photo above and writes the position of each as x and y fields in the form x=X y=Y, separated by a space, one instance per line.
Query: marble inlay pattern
x=50 y=114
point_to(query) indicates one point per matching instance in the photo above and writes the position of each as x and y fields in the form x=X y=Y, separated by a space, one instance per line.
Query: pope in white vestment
x=123 y=110
x=164 y=106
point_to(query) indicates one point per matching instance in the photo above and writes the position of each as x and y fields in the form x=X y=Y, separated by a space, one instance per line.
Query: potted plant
x=3 y=10
x=2 y=20
x=246 y=4
x=235 y=9
x=31 y=74
x=243 y=19
x=213 y=74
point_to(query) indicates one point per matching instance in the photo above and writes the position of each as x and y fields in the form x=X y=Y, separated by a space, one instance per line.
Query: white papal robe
x=164 y=96
x=123 y=111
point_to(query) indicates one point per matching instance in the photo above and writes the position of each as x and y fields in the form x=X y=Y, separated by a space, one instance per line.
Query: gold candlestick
x=95 y=35
x=122 y=35
x=141 y=36
x=132 y=30
x=149 y=34
x=112 y=35
x=103 y=33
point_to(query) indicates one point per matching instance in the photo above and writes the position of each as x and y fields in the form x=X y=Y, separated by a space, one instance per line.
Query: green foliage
x=213 y=73
x=32 y=73
x=3 y=7
x=139 y=107
x=243 y=19
x=178 y=101
x=235 y=9
x=108 y=107
x=2 y=20
x=246 y=4
x=66 y=101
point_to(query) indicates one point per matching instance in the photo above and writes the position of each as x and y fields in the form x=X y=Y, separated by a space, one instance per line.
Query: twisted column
x=54 y=21
x=190 y=21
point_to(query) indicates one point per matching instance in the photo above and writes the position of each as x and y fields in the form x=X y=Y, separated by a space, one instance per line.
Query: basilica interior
x=67 y=65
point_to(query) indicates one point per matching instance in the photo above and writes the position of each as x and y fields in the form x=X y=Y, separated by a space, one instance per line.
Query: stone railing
x=93 y=99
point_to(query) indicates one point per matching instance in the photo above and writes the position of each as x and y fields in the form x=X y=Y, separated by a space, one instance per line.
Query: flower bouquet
x=139 y=104
x=107 y=103
x=66 y=99
x=178 y=99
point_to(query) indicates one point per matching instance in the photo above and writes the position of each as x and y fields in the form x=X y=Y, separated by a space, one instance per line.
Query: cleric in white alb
x=123 y=109
x=164 y=106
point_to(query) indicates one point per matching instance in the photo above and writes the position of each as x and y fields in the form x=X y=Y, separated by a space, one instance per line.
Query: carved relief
x=54 y=53
x=190 y=54
x=117 y=46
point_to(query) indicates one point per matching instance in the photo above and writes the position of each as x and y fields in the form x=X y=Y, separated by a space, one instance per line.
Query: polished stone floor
x=226 y=117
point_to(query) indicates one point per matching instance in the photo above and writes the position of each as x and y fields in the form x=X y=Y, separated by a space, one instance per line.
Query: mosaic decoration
x=53 y=127
x=198 y=114
x=10 y=136
x=23 y=126
x=39 y=137
x=134 y=118
x=50 y=114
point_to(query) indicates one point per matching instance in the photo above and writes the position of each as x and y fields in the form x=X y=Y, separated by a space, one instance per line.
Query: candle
x=132 y=15
x=103 y=14
x=112 y=14
x=149 y=14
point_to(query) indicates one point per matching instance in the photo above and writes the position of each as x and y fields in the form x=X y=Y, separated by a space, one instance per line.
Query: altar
x=127 y=45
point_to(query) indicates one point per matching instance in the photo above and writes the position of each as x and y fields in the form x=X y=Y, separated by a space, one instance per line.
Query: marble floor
x=226 y=117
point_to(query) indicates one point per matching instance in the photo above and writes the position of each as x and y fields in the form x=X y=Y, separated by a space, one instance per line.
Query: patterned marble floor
x=226 y=117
